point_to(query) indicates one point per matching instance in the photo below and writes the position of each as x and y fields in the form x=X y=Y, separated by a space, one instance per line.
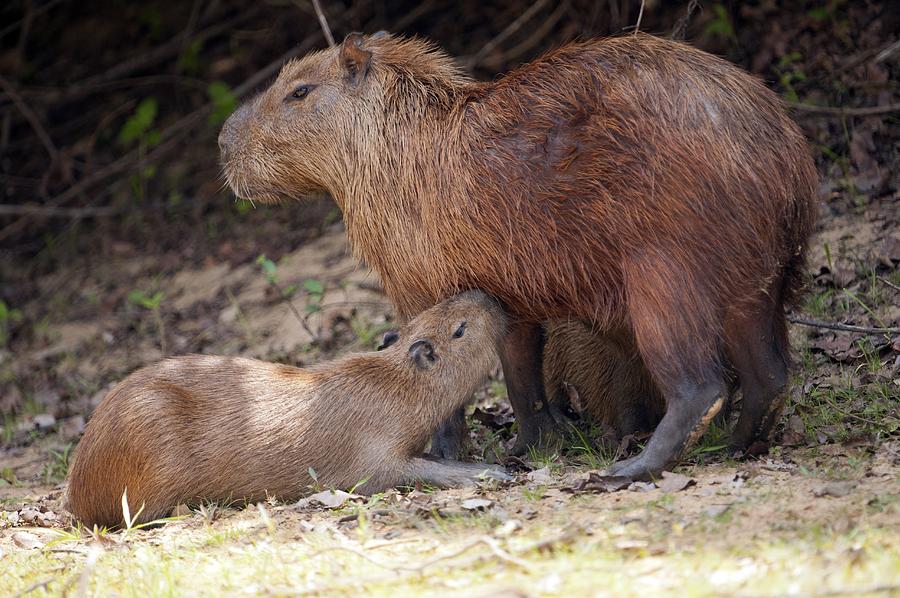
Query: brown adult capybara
x=635 y=183
x=225 y=428
x=604 y=375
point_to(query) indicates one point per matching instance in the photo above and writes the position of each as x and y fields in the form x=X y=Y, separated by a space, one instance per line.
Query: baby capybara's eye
x=460 y=331
x=300 y=92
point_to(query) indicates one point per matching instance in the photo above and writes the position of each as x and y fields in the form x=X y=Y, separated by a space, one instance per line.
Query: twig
x=836 y=326
x=54 y=212
x=681 y=25
x=33 y=587
x=637 y=25
x=838 y=111
x=889 y=283
x=509 y=30
x=32 y=119
x=324 y=23
x=538 y=34
x=485 y=540
x=886 y=53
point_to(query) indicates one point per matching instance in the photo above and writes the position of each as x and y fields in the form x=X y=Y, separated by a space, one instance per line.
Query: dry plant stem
x=293 y=309
x=51 y=212
x=538 y=34
x=838 y=111
x=843 y=327
x=889 y=283
x=484 y=540
x=637 y=25
x=33 y=587
x=509 y=30
x=324 y=23
x=680 y=28
x=32 y=119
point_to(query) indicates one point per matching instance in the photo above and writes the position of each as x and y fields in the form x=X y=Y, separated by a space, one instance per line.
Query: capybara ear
x=422 y=353
x=354 y=58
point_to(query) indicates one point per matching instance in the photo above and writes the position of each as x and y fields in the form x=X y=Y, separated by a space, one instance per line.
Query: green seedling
x=153 y=303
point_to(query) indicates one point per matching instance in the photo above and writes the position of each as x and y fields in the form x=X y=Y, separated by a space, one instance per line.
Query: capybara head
x=462 y=332
x=327 y=112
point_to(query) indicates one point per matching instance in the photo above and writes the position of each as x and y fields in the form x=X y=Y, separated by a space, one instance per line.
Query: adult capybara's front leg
x=448 y=440
x=522 y=357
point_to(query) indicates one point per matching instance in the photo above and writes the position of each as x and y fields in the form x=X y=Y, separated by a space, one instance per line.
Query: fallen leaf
x=539 y=476
x=509 y=527
x=595 y=482
x=836 y=489
x=27 y=541
x=674 y=482
x=475 y=504
x=330 y=499
x=716 y=510
x=641 y=486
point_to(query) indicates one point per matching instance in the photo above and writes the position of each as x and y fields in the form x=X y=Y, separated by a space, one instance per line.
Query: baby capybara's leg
x=448 y=439
x=757 y=347
x=445 y=473
x=522 y=357
x=674 y=323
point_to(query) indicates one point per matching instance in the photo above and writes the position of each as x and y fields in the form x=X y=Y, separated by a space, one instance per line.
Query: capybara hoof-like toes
x=548 y=435
x=635 y=468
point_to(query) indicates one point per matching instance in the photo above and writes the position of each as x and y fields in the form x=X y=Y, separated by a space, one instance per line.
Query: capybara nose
x=422 y=353
x=230 y=133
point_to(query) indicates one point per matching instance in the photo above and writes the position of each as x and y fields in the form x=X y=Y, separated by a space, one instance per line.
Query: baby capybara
x=225 y=428
x=635 y=183
x=606 y=375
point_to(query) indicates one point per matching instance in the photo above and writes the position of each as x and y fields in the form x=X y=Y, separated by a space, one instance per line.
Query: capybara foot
x=445 y=473
x=633 y=468
x=448 y=440
x=540 y=431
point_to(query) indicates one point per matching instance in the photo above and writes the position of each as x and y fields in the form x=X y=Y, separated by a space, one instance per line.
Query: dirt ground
x=182 y=268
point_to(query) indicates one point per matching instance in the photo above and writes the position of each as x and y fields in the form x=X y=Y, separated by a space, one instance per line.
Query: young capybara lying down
x=225 y=428
x=635 y=183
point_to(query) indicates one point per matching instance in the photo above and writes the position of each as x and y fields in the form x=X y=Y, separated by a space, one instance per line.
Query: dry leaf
x=330 y=499
x=674 y=482
x=836 y=489
x=27 y=541
x=475 y=504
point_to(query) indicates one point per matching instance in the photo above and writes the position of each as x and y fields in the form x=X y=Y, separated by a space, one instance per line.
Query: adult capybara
x=225 y=428
x=604 y=375
x=635 y=183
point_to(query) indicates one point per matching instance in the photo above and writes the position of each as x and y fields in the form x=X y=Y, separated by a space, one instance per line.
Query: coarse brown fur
x=225 y=428
x=635 y=183
x=601 y=377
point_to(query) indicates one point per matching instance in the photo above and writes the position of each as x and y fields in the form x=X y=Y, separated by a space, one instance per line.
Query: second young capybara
x=635 y=183
x=604 y=374
x=225 y=428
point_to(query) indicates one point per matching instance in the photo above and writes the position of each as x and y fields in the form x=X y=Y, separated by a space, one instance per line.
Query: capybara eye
x=460 y=331
x=300 y=92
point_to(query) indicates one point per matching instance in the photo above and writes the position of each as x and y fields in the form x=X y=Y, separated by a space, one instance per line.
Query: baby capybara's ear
x=354 y=58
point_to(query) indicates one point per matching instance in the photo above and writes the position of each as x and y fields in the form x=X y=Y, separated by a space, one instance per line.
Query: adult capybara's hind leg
x=757 y=347
x=675 y=326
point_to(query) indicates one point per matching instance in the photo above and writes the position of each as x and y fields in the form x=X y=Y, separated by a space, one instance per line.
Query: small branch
x=32 y=119
x=55 y=212
x=838 y=111
x=889 y=283
x=681 y=25
x=887 y=52
x=637 y=25
x=510 y=29
x=843 y=327
x=326 y=30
